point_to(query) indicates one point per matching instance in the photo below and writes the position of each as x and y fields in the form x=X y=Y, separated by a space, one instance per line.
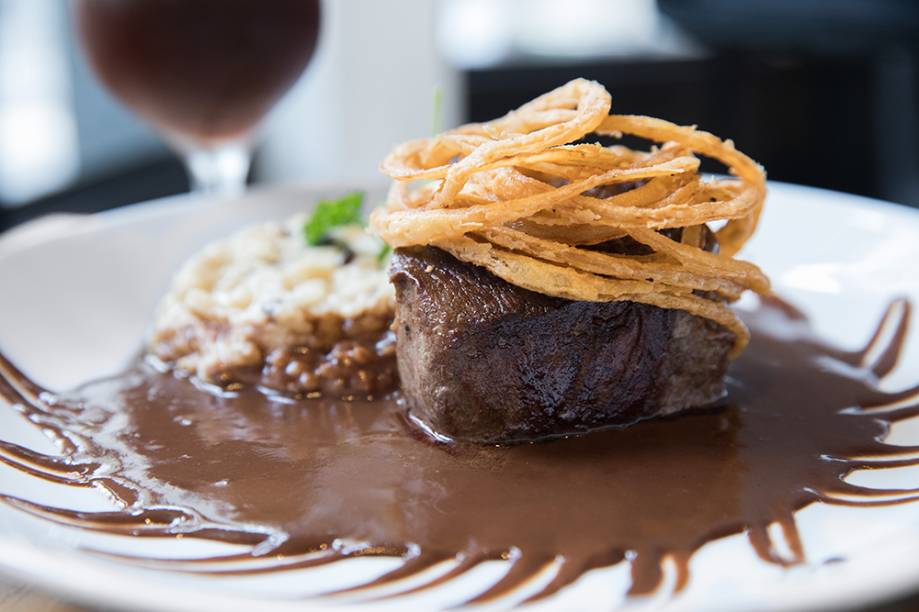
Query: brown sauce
x=364 y=365
x=338 y=358
x=294 y=480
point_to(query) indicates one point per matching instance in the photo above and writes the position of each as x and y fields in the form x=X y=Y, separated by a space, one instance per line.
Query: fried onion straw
x=514 y=196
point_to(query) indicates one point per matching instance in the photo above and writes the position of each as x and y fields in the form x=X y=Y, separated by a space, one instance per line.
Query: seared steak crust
x=486 y=361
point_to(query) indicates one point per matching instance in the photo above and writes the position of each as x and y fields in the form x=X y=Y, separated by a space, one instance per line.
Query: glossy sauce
x=312 y=482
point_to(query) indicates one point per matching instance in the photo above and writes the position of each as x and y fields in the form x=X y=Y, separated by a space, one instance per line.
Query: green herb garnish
x=345 y=210
x=384 y=253
x=437 y=115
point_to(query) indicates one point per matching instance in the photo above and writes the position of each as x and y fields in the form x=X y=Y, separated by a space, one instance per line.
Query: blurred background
x=822 y=93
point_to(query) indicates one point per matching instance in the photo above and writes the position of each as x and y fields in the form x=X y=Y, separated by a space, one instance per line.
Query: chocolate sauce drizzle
x=308 y=483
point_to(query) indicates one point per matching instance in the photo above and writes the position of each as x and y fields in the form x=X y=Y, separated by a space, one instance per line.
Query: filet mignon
x=486 y=361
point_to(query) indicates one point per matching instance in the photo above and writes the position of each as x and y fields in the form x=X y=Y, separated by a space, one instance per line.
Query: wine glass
x=203 y=72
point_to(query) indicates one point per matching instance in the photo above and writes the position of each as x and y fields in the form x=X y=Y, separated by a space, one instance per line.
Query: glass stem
x=221 y=170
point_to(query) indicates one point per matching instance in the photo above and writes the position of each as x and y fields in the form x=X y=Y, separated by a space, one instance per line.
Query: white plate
x=77 y=297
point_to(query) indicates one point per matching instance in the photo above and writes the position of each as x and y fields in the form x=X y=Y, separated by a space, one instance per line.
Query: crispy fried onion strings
x=516 y=196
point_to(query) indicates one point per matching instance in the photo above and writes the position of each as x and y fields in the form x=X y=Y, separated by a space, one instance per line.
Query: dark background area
x=821 y=93
x=782 y=110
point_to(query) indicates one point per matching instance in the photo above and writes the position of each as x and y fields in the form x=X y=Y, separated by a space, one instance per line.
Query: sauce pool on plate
x=307 y=482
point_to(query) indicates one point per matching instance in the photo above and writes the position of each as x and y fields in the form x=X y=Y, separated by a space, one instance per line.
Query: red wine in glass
x=204 y=72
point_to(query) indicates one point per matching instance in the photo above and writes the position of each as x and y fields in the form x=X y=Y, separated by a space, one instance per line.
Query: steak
x=486 y=361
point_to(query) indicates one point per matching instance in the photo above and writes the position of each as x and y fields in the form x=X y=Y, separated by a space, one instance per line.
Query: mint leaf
x=345 y=210
x=437 y=115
